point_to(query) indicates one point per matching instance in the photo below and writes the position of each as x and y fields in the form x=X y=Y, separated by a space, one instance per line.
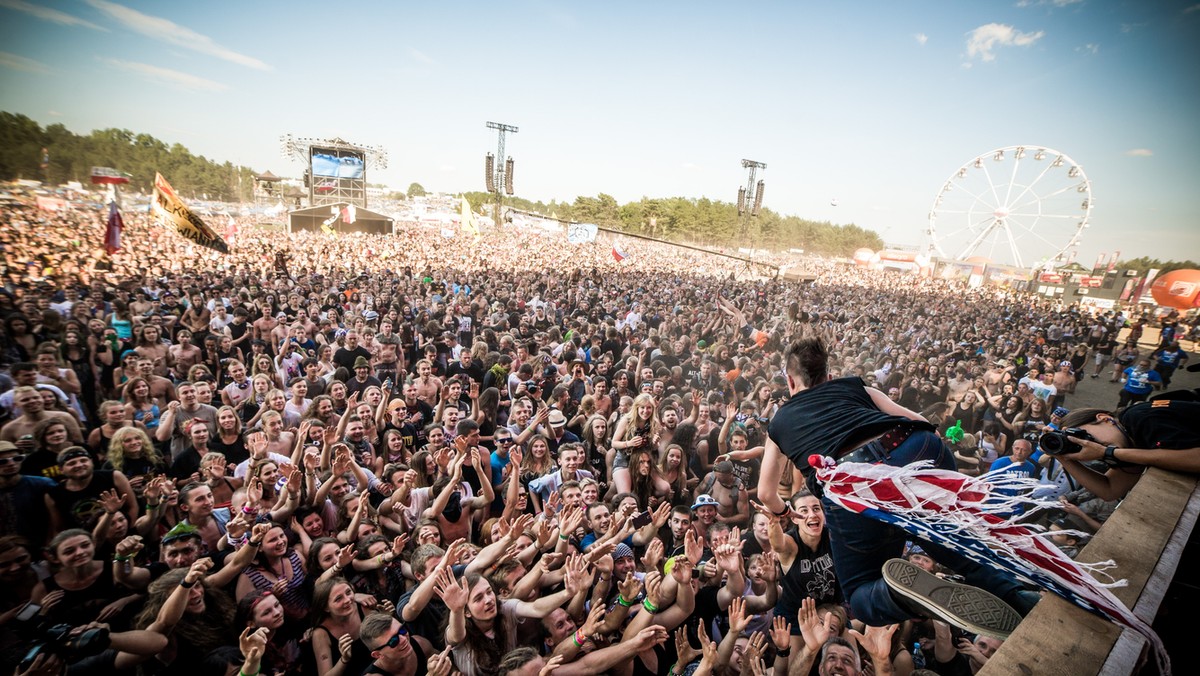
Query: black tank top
x=811 y=574
x=422 y=663
x=827 y=418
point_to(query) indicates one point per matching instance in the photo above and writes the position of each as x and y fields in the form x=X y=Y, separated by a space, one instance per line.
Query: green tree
x=416 y=190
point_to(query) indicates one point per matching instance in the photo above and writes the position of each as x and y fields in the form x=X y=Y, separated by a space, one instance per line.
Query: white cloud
x=1131 y=27
x=1089 y=48
x=170 y=32
x=1139 y=152
x=16 y=62
x=1056 y=3
x=53 y=113
x=167 y=76
x=983 y=40
x=921 y=38
x=421 y=56
x=446 y=168
x=689 y=165
x=51 y=15
x=1193 y=8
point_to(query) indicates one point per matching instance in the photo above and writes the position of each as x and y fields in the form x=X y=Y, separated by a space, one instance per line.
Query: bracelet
x=154 y=505
x=249 y=511
x=234 y=542
x=650 y=607
x=242 y=673
x=254 y=543
x=563 y=537
x=186 y=585
x=112 y=512
x=783 y=653
x=783 y=513
x=578 y=641
x=621 y=600
x=117 y=558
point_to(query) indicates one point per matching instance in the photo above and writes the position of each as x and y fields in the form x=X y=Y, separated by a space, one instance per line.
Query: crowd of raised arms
x=409 y=454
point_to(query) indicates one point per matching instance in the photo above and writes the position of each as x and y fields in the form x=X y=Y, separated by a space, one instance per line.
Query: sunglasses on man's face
x=395 y=639
x=17 y=459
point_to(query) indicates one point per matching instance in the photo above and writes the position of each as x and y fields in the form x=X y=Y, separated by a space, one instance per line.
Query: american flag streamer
x=960 y=512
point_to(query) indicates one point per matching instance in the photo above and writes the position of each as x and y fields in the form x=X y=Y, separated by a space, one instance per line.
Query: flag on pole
x=960 y=513
x=112 y=230
x=468 y=218
x=350 y=214
x=173 y=213
x=581 y=233
x=109 y=176
x=619 y=253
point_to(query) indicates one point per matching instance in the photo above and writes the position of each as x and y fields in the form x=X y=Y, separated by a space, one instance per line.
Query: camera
x=1055 y=442
x=58 y=640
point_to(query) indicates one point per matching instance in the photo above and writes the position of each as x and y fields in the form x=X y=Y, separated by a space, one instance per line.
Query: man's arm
x=773 y=465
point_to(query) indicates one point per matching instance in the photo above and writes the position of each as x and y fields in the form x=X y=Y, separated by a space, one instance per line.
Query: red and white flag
x=619 y=253
x=108 y=176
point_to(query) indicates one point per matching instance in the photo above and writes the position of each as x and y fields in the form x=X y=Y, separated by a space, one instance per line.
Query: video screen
x=336 y=164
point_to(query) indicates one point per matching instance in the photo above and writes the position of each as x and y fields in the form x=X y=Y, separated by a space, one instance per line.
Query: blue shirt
x=1006 y=463
x=1141 y=382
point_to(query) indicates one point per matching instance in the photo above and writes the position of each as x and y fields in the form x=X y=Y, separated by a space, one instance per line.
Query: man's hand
x=452 y=592
x=738 y=618
x=683 y=649
x=877 y=640
x=814 y=631
x=781 y=632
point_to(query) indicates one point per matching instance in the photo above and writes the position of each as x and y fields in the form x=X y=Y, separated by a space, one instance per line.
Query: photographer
x=88 y=649
x=1153 y=434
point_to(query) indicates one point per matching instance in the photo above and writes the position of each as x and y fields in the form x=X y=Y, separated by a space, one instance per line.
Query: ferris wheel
x=1019 y=205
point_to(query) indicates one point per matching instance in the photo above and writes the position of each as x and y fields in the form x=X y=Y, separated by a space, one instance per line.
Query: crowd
x=407 y=454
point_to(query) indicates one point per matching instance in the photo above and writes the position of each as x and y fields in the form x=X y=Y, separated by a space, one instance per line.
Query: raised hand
x=346 y=647
x=594 y=619
x=654 y=554
x=398 y=544
x=738 y=618
x=815 y=631
x=729 y=559
x=630 y=587
x=253 y=642
x=693 y=546
x=441 y=664
x=452 y=592
x=684 y=651
x=649 y=637
x=111 y=502
x=198 y=570
x=876 y=640
x=781 y=632
x=130 y=546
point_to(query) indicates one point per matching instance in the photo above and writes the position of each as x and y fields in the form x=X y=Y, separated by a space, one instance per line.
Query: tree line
x=72 y=156
x=701 y=221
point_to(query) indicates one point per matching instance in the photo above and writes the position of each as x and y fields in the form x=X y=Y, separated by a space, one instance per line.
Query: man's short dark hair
x=465 y=427
x=808 y=360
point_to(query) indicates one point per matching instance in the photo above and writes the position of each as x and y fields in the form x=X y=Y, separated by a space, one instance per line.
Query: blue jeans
x=862 y=545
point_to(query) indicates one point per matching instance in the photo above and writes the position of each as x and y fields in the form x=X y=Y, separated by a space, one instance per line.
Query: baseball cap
x=705 y=500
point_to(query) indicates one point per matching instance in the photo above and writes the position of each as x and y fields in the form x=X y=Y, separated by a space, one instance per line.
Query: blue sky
x=874 y=104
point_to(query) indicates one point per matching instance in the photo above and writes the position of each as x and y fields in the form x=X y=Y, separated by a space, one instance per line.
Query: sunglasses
x=504 y=441
x=395 y=639
x=18 y=459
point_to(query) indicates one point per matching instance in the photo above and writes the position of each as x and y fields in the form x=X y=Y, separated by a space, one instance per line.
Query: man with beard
x=396 y=651
x=33 y=413
x=173 y=424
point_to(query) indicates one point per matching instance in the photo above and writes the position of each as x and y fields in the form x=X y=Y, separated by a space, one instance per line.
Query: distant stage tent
x=365 y=220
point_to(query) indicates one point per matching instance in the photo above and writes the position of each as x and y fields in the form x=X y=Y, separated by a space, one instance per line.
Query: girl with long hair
x=277 y=567
x=337 y=613
x=596 y=447
x=638 y=429
x=264 y=611
x=648 y=484
x=133 y=454
x=196 y=618
x=537 y=462
x=139 y=405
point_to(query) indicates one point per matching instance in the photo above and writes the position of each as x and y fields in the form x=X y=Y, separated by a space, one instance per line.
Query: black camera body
x=57 y=640
x=1055 y=442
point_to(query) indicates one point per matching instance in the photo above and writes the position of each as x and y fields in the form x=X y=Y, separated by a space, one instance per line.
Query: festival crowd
x=410 y=454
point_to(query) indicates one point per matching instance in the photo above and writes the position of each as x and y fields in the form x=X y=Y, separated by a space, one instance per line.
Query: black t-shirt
x=79 y=509
x=1165 y=423
x=346 y=358
x=827 y=418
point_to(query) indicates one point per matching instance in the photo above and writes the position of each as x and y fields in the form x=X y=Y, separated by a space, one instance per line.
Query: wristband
x=621 y=600
x=784 y=513
x=578 y=641
x=234 y=542
x=154 y=505
x=783 y=653
x=650 y=607
x=254 y=543
x=563 y=537
x=242 y=673
x=186 y=585
x=117 y=558
x=249 y=511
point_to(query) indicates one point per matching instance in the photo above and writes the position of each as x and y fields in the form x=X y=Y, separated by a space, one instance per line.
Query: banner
x=109 y=176
x=467 y=218
x=173 y=213
x=581 y=233
x=51 y=203
x=619 y=253
x=112 y=230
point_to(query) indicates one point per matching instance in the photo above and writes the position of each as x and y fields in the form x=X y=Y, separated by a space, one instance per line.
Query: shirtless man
x=185 y=354
x=385 y=352
x=733 y=501
x=453 y=512
x=278 y=441
x=196 y=502
x=263 y=328
x=161 y=388
x=33 y=412
x=428 y=385
x=150 y=346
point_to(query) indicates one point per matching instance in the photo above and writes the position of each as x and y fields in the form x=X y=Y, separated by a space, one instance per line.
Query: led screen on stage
x=340 y=165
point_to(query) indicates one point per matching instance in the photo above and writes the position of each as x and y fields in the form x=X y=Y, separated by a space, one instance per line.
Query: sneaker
x=961 y=605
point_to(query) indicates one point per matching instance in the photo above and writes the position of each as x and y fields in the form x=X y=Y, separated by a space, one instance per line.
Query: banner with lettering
x=173 y=213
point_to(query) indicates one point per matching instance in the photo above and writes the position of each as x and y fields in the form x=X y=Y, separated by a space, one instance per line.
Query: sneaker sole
x=962 y=605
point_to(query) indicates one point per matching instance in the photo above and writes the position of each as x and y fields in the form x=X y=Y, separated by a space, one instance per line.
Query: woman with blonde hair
x=131 y=453
x=638 y=429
